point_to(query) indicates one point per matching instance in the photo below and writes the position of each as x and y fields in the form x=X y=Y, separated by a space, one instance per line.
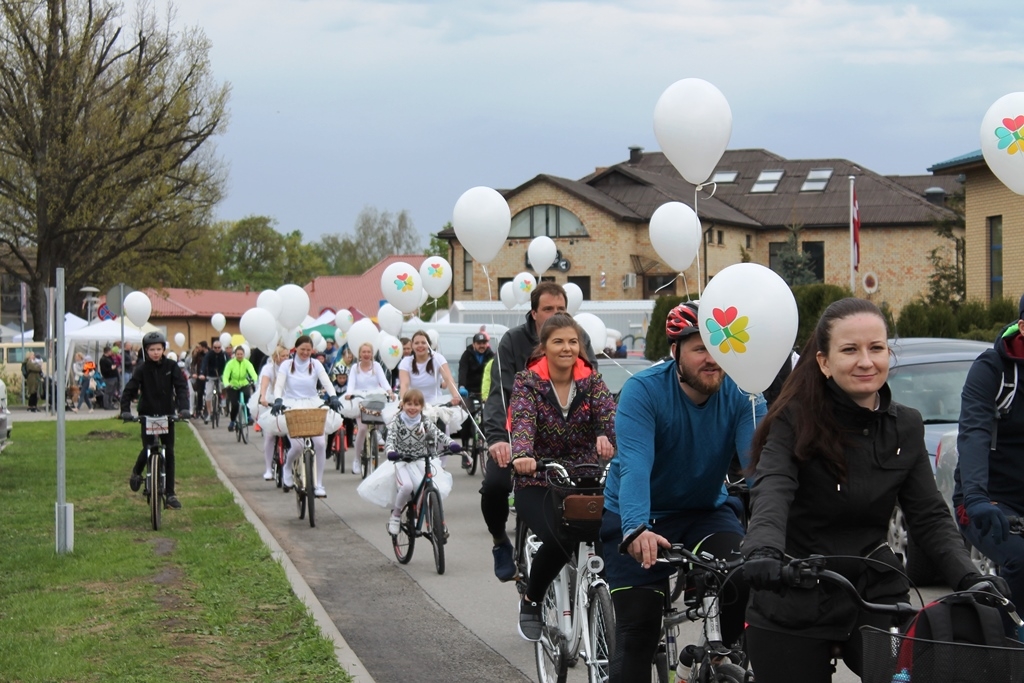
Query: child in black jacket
x=162 y=390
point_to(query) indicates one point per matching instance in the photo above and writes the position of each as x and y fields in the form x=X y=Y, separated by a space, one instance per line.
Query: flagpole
x=853 y=256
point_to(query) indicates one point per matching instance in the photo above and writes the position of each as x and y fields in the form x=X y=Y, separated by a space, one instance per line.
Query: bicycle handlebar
x=142 y=418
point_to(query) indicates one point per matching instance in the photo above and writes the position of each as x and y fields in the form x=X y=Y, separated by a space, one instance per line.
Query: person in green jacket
x=485 y=383
x=239 y=379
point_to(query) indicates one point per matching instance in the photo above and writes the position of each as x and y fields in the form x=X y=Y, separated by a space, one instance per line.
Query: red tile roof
x=190 y=303
x=359 y=292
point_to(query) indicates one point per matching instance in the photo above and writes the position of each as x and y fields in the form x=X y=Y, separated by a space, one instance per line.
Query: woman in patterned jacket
x=561 y=410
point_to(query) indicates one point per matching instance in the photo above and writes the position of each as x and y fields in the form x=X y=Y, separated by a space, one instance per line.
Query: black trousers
x=494 y=492
x=168 y=442
x=537 y=508
x=234 y=395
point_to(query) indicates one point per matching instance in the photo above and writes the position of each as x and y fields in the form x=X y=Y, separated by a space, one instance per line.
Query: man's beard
x=697 y=381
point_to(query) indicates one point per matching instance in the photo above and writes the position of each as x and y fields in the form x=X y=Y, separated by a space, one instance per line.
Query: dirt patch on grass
x=108 y=434
x=163 y=546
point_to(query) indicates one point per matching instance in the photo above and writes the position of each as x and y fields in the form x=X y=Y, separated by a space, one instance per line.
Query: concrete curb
x=346 y=657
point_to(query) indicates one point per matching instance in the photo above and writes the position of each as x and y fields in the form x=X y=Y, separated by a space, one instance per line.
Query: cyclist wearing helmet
x=678 y=425
x=162 y=390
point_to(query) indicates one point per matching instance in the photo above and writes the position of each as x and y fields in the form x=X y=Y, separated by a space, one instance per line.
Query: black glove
x=990 y=584
x=454 y=447
x=184 y=415
x=127 y=416
x=763 y=568
x=278 y=407
x=989 y=520
x=334 y=402
x=393 y=456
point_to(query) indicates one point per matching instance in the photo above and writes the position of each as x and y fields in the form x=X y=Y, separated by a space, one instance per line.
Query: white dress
x=429 y=384
x=297 y=389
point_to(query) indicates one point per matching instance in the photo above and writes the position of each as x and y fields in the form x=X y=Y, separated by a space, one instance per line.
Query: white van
x=453 y=338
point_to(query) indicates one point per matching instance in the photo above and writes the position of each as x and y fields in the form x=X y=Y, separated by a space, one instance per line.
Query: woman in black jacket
x=832 y=458
x=162 y=390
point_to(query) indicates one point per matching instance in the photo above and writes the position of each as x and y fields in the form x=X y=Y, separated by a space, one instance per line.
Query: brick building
x=994 y=228
x=600 y=224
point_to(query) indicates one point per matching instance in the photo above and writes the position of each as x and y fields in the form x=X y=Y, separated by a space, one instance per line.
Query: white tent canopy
x=109 y=331
x=71 y=323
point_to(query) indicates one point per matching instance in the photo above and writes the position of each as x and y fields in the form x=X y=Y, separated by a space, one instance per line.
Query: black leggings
x=234 y=395
x=536 y=506
x=497 y=484
x=168 y=441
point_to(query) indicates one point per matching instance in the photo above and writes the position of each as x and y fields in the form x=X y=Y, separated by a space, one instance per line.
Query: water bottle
x=902 y=677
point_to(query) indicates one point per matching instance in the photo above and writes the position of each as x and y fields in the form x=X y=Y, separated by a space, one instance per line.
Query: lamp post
x=90 y=298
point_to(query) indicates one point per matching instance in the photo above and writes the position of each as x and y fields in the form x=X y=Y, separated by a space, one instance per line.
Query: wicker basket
x=304 y=422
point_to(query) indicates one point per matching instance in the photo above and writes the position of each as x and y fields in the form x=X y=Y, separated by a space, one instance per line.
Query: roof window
x=767 y=181
x=817 y=180
x=725 y=177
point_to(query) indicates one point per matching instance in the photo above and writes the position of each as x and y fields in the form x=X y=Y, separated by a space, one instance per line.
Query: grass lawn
x=199 y=600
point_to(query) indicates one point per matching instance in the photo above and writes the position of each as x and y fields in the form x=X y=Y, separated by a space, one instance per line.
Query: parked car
x=615 y=371
x=928 y=374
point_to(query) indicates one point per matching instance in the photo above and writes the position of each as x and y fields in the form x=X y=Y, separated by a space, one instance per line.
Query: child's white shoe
x=394 y=525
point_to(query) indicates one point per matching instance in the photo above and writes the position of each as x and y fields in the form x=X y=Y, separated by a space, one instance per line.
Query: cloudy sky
x=341 y=104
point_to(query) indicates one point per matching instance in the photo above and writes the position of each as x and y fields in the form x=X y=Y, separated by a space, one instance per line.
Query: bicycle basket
x=892 y=657
x=370 y=411
x=157 y=425
x=579 y=499
x=304 y=422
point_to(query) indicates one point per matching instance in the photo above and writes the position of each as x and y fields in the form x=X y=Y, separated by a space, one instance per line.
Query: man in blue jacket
x=990 y=472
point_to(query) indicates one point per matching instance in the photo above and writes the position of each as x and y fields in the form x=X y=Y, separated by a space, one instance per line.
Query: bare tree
x=106 y=159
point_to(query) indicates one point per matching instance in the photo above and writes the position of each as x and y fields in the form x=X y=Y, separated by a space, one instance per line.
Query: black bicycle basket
x=896 y=658
x=579 y=499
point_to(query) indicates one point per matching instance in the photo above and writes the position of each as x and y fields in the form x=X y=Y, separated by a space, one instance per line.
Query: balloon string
x=497 y=359
x=670 y=282
x=696 y=192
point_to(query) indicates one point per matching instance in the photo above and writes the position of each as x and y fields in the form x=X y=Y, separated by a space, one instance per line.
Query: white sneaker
x=356 y=469
x=319 y=492
x=394 y=525
x=286 y=479
x=268 y=476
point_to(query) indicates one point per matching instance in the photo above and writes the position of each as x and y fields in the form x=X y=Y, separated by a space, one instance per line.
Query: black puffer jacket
x=806 y=510
x=161 y=387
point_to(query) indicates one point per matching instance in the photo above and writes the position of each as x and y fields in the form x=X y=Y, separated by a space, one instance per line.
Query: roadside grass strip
x=200 y=600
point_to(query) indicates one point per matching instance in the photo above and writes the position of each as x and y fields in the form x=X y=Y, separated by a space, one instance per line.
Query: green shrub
x=913 y=321
x=941 y=322
x=657 y=343
x=972 y=315
x=1002 y=312
x=811 y=302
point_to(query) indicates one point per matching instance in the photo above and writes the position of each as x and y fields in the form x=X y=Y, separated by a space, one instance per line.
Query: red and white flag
x=855 y=222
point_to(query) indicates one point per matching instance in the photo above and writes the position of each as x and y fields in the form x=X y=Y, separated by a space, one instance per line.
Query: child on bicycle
x=161 y=386
x=408 y=435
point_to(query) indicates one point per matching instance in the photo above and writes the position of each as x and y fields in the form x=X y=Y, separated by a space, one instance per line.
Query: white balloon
x=542 y=253
x=137 y=308
x=316 y=338
x=481 y=220
x=390 y=319
x=340 y=337
x=257 y=326
x=675 y=234
x=390 y=350
x=270 y=301
x=436 y=274
x=362 y=331
x=294 y=305
x=434 y=338
x=321 y=345
x=1002 y=140
x=218 y=321
x=288 y=335
x=573 y=297
x=179 y=339
x=595 y=329
x=748 y=321
x=401 y=286
x=245 y=347
x=225 y=339
x=508 y=295
x=523 y=286
x=343 y=319
x=693 y=124
x=423 y=297
x=171 y=355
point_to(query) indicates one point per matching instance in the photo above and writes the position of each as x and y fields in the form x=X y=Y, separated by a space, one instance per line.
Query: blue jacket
x=983 y=474
x=673 y=455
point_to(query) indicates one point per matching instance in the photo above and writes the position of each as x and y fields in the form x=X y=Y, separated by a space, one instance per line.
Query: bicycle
x=215 y=402
x=242 y=424
x=477 y=446
x=709 y=659
x=281 y=446
x=370 y=408
x=156 y=453
x=305 y=423
x=579 y=620
x=422 y=516
x=892 y=656
x=336 y=449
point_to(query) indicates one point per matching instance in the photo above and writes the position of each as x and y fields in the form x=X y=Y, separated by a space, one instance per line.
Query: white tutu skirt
x=379 y=488
x=452 y=416
x=275 y=425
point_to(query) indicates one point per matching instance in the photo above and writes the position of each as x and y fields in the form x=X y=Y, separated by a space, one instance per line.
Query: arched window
x=546 y=219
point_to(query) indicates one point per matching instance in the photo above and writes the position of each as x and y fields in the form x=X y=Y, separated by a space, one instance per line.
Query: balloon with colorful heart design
x=693 y=124
x=481 y=220
x=523 y=286
x=401 y=286
x=390 y=349
x=748 y=322
x=1002 y=140
x=675 y=234
x=436 y=275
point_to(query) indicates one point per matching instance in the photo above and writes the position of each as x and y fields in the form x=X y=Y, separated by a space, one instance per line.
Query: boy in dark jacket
x=162 y=390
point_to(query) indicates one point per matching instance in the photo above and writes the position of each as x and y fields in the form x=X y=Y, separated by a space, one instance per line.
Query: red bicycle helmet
x=681 y=321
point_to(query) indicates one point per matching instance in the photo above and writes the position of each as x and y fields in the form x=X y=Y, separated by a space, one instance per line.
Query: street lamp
x=89 y=294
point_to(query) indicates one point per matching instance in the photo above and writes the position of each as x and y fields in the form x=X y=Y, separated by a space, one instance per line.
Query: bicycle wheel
x=405 y=540
x=659 y=670
x=601 y=616
x=215 y=410
x=309 y=459
x=243 y=422
x=278 y=461
x=374 y=438
x=552 y=666
x=435 y=517
x=156 y=492
x=364 y=457
x=678 y=584
x=298 y=478
x=726 y=673
x=334 y=446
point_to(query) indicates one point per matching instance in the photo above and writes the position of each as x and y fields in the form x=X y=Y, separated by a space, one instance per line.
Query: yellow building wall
x=986 y=196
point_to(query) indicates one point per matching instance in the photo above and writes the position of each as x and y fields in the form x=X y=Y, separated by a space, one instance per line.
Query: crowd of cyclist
x=827 y=461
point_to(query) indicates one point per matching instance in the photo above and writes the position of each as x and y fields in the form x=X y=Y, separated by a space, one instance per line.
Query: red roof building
x=359 y=293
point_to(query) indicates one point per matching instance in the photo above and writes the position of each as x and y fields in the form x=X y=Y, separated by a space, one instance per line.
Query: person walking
x=32 y=373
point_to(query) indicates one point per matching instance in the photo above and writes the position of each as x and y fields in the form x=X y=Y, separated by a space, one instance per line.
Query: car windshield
x=615 y=375
x=931 y=388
